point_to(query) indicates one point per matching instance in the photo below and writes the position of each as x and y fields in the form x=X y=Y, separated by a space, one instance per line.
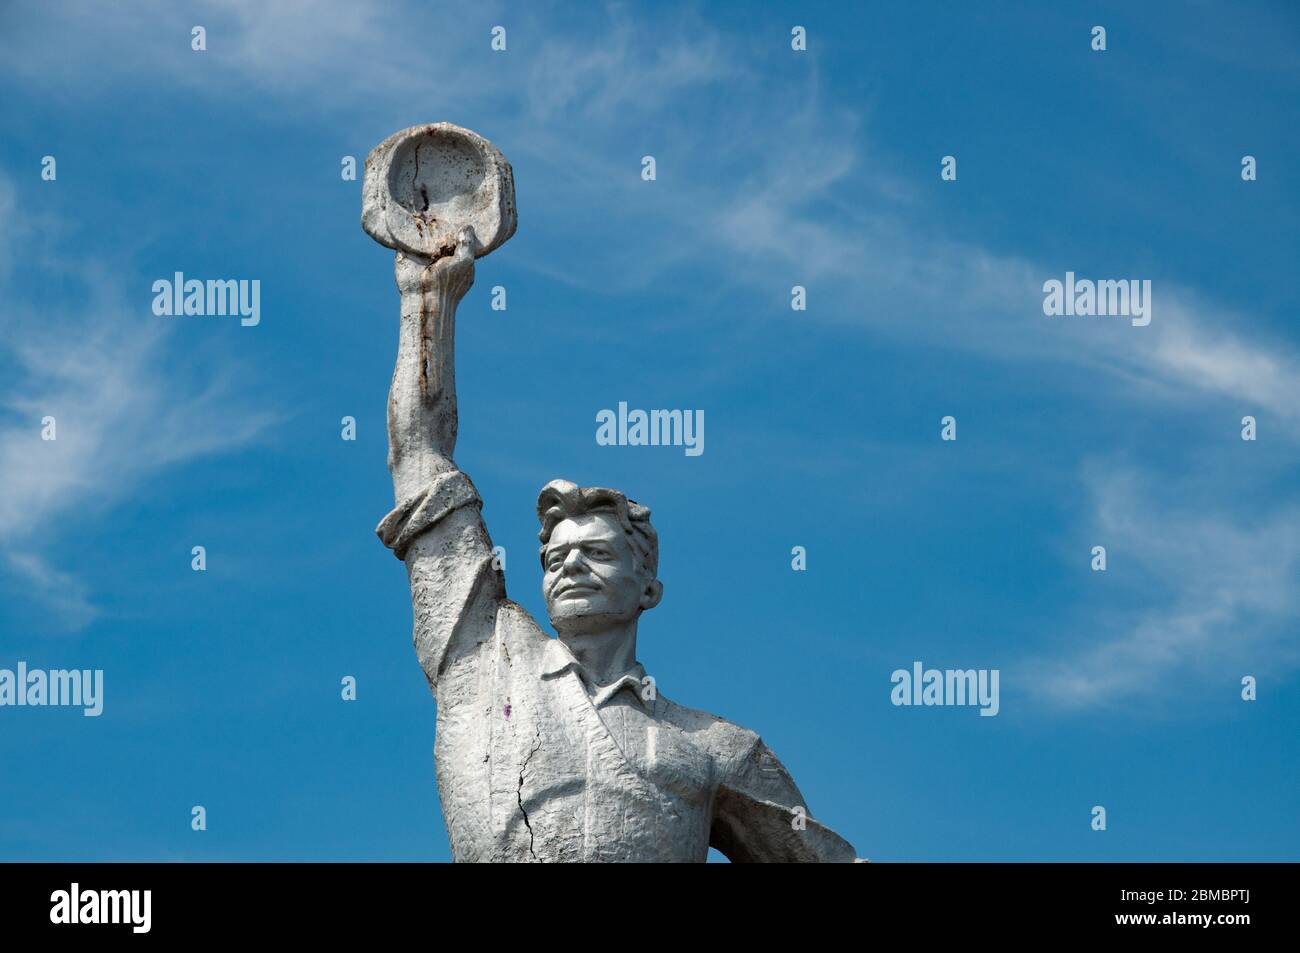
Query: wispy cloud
x=874 y=269
x=125 y=405
x=60 y=593
x=604 y=80
x=777 y=188
x=765 y=199
x=1218 y=595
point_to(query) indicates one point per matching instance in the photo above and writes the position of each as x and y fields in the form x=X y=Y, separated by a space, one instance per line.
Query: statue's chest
x=530 y=769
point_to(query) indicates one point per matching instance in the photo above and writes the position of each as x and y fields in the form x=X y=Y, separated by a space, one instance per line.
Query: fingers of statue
x=453 y=272
x=466 y=242
x=458 y=269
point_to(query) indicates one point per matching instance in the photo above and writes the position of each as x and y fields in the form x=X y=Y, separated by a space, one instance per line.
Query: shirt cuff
x=449 y=491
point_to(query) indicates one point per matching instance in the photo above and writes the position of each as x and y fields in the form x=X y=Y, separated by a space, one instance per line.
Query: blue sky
x=774 y=169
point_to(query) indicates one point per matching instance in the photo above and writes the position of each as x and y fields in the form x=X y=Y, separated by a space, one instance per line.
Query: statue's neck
x=605 y=654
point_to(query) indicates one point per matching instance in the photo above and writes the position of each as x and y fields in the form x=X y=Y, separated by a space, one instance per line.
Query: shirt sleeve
x=455 y=588
x=760 y=816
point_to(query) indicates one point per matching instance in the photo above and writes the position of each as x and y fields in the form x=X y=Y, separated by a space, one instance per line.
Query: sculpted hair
x=561 y=500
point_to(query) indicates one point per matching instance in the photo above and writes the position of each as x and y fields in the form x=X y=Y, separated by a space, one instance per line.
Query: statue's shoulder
x=724 y=739
x=517 y=628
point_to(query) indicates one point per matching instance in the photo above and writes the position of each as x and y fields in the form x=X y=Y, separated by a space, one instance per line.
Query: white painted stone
x=424 y=184
x=548 y=749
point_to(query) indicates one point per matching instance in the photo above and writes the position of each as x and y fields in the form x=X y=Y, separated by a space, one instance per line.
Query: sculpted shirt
x=536 y=763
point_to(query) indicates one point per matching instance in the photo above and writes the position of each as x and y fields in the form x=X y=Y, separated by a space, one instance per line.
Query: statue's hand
x=448 y=273
x=456 y=271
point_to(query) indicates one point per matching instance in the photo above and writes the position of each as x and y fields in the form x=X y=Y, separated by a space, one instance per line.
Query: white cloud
x=60 y=593
x=1217 y=595
x=121 y=410
x=125 y=405
x=750 y=189
x=873 y=268
x=604 y=79
x=753 y=188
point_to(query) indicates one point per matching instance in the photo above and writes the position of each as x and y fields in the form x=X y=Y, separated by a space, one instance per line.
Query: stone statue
x=548 y=749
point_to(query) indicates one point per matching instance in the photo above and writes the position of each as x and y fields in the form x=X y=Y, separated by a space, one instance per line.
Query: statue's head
x=600 y=557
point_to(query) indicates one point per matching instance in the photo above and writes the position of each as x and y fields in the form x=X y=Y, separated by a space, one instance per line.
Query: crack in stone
x=519 y=794
x=415 y=179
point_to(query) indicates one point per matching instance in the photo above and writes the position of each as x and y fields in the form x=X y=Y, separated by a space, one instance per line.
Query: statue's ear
x=654 y=591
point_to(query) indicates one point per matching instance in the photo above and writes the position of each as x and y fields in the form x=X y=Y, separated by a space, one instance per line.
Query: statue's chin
x=580 y=617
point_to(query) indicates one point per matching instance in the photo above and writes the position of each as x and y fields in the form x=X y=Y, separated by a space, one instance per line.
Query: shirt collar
x=557 y=658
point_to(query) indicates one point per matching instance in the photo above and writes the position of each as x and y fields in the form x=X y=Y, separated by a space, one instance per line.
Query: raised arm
x=422 y=398
x=436 y=527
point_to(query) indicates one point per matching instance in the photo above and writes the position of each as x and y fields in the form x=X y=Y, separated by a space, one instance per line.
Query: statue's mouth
x=577 y=589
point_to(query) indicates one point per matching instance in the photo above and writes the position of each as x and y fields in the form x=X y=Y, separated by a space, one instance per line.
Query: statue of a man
x=554 y=749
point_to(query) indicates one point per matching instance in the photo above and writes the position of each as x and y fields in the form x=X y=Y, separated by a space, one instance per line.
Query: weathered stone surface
x=424 y=184
x=548 y=749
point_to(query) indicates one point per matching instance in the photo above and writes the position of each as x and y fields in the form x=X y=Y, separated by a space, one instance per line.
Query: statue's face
x=590 y=578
